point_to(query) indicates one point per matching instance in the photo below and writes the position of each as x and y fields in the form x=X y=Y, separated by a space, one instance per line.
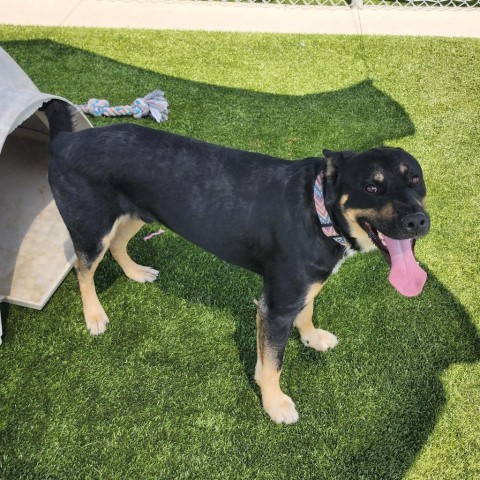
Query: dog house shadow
x=436 y=325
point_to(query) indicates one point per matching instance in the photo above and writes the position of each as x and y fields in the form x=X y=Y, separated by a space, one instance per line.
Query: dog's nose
x=416 y=223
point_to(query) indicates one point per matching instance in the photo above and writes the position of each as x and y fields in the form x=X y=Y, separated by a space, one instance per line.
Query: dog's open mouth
x=378 y=240
x=405 y=273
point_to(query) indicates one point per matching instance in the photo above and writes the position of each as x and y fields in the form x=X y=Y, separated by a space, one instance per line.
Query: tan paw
x=281 y=409
x=142 y=274
x=96 y=322
x=320 y=340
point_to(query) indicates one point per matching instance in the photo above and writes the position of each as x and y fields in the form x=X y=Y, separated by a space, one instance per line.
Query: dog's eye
x=371 y=189
x=415 y=180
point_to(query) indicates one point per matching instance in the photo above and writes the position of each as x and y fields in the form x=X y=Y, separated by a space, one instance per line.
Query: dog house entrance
x=35 y=249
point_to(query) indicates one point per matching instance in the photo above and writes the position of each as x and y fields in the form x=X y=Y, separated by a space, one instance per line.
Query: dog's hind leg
x=127 y=227
x=95 y=316
x=89 y=255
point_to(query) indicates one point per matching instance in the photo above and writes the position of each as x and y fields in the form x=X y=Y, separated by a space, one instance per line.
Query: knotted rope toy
x=154 y=104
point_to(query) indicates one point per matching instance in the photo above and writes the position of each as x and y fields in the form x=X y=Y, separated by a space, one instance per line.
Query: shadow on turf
x=357 y=117
x=383 y=380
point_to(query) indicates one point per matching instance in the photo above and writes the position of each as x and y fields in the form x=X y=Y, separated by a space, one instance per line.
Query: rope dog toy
x=154 y=104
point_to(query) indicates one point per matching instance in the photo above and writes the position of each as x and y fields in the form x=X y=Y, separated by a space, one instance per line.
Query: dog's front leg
x=273 y=330
x=312 y=337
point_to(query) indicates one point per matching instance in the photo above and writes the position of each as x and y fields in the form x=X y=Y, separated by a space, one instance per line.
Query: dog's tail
x=61 y=117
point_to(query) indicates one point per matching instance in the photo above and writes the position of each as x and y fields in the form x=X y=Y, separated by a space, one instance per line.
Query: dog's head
x=378 y=198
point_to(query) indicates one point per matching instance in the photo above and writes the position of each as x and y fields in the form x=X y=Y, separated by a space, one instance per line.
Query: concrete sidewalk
x=245 y=17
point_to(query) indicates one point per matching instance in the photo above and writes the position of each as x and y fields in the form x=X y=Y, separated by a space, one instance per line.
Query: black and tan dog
x=293 y=223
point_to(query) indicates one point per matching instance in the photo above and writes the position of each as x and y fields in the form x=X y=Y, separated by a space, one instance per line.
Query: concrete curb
x=242 y=17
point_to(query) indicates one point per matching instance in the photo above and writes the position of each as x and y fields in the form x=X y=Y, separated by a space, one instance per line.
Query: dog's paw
x=320 y=340
x=281 y=408
x=142 y=274
x=96 y=322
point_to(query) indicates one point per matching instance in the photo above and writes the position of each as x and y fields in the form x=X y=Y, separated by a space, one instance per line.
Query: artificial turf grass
x=180 y=395
x=174 y=372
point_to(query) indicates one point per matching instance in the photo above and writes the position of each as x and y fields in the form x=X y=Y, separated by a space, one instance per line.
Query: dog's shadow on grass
x=383 y=380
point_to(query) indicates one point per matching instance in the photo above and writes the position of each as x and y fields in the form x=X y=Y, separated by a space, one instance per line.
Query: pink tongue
x=405 y=275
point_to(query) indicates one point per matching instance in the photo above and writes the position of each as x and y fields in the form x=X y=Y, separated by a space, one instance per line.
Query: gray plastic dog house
x=35 y=249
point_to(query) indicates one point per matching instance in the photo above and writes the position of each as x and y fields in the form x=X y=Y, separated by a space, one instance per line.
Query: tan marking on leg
x=126 y=228
x=280 y=407
x=95 y=316
x=315 y=338
x=313 y=291
x=107 y=239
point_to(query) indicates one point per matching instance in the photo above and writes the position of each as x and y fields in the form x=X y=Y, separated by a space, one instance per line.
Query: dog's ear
x=335 y=162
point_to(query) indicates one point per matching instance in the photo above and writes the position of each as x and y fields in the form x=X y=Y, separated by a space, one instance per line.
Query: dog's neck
x=327 y=225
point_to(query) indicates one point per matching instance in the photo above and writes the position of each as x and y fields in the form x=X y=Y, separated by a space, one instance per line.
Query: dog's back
x=192 y=187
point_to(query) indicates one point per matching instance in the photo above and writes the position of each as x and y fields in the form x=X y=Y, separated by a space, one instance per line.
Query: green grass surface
x=168 y=391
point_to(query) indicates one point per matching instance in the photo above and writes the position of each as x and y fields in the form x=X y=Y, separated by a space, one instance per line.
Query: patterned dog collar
x=325 y=220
